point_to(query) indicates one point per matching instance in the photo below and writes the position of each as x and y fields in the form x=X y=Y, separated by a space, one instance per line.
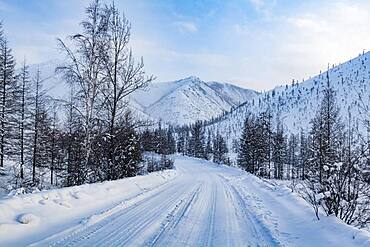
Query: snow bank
x=289 y=218
x=31 y=217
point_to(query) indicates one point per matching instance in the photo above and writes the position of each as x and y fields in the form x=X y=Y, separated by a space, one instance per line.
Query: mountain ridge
x=197 y=94
x=296 y=104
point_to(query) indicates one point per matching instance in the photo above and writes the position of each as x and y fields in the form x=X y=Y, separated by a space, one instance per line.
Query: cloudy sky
x=254 y=43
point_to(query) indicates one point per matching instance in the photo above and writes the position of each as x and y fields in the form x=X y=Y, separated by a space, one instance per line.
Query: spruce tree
x=264 y=143
x=219 y=149
x=292 y=157
x=325 y=145
x=247 y=155
x=279 y=152
x=303 y=154
x=197 y=140
x=181 y=141
x=209 y=150
x=326 y=132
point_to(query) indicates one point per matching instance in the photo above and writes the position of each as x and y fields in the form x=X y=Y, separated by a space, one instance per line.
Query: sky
x=256 y=44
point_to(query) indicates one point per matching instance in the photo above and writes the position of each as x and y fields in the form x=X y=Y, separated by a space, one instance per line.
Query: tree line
x=328 y=165
x=92 y=135
x=193 y=141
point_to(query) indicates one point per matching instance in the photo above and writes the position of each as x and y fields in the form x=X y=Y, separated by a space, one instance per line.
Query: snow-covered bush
x=154 y=162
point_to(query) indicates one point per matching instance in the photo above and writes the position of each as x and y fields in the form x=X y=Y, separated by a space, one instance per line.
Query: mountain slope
x=188 y=100
x=296 y=104
x=231 y=93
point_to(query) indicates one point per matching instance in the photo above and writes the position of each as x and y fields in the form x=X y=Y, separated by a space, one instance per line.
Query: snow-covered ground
x=55 y=210
x=198 y=204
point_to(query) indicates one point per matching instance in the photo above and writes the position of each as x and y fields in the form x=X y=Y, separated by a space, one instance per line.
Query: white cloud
x=334 y=33
x=272 y=50
x=301 y=42
x=269 y=47
x=186 y=26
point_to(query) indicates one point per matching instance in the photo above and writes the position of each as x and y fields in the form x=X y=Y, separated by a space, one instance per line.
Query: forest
x=90 y=137
x=94 y=136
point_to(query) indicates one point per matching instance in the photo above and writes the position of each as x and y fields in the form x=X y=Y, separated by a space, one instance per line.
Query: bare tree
x=84 y=69
x=122 y=75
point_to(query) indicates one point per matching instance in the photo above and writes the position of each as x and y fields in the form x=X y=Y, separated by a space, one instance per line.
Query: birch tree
x=122 y=75
x=84 y=70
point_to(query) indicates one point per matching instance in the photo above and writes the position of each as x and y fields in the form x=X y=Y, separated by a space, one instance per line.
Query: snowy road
x=207 y=205
x=199 y=208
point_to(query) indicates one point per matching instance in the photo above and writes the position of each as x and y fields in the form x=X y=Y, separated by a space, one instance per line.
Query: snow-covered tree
x=197 y=140
x=219 y=150
x=40 y=130
x=303 y=154
x=279 y=152
x=209 y=149
x=247 y=155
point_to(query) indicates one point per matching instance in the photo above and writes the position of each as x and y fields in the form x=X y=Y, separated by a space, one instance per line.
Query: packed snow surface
x=198 y=204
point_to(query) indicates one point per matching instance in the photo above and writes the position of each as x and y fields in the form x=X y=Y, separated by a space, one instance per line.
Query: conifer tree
x=197 y=140
x=209 y=149
x=263 y=142
x=326 y=134
x=303 y=154
x=247 y=155
x=292 y=157
x=24 y=116
x=171 y=140
x=279 y=152
x=219 y=149
x=181 y=141
x=7 y=95
x=41 y=128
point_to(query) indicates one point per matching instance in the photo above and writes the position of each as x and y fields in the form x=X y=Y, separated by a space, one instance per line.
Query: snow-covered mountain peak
x=190 y=99
x=190 y=79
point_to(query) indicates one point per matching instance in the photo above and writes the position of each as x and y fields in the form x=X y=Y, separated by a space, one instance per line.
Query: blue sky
x=253 y=43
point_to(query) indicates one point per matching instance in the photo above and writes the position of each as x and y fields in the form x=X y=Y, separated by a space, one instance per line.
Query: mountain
x=53 y=83
x=296 y=104
x=188 y=100
x=177 y=102
x=231 y=93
